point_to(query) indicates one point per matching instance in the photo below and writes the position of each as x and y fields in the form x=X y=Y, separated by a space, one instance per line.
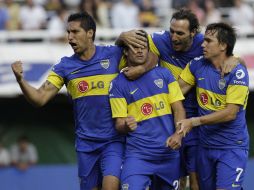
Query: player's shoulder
x=160 y=35
x=198 y=61
x=65 y=61
x=240 y=71
x=163 y=72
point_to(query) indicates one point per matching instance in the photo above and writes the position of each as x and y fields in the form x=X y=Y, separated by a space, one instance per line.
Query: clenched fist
x=17 y=70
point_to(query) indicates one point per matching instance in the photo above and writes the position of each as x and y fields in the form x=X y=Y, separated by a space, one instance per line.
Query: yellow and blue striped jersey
x=87 y=83
x=213 y=94
x=161 y=44
x=148 y=99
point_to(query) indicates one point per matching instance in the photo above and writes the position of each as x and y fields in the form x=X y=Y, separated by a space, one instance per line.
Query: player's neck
x=88 y=53
x=218 y=61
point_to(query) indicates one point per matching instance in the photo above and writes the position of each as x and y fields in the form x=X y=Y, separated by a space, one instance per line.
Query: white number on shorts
x=239 y=171
x=176 y=184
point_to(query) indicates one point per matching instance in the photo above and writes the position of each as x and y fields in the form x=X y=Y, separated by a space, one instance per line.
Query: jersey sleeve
x=187 y=74
x=238 y=88
x=175 y=93
x=117 y=101
x=56 y=75
x=155 y=40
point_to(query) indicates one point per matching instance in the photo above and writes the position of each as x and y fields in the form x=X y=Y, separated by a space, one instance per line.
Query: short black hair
x=225 y=34
x=185 y=14
x=86 y=21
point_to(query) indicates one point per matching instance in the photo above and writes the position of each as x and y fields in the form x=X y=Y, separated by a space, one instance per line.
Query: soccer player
x=176 y=48
x=146 y=110
x=87 y=75
x=224 y=138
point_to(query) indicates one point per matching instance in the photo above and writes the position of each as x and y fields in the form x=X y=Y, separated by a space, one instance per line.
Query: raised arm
x=37 y=97
x=132 y=38
x=230 y=63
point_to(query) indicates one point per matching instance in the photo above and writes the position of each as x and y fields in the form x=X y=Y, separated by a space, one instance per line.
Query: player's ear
x=125 y=51
x=90 y=33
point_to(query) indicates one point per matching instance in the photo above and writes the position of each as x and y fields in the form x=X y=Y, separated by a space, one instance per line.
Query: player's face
x=77 y=37
x=211 y=46
x=180 y=34
x=138 y=56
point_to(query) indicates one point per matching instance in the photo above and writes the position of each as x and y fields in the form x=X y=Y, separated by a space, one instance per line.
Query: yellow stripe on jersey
x=152 y=46
x=210 y=101
x=175 y=93
x=187 y=76
x=55 y=79
x=237 y=94
x=118 y=107
x=90 y=86
x=123 y=63
x=176 y=71
x=150 y=107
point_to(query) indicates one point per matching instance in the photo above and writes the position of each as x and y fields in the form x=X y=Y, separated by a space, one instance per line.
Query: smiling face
x=180 y=34
x=78 y=38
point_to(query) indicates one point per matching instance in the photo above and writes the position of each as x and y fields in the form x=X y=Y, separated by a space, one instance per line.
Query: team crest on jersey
x=239 y=74
x=146 y=108
x=105 y=63
x=222 y=83
x=83 y=86
x=159 y=83
x=125 y=186
x=203 y=98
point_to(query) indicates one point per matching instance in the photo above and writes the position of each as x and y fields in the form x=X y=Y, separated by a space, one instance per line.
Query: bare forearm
x=37 y=97
x=31 y=94
x=225 y=115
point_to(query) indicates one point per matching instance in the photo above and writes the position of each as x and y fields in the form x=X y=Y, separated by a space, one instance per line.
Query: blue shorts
x=188 y=154
x=221 y=168
x=92 y=166
x=138 y=174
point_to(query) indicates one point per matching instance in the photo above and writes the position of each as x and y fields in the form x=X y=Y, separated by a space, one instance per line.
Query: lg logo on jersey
x=83 y=86
x=148 y=108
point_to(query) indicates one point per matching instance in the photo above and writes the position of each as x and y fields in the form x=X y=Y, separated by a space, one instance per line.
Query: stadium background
x=51 y=128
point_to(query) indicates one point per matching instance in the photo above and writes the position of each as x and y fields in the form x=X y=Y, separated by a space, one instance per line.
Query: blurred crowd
x=21 y=155
x=124 y=14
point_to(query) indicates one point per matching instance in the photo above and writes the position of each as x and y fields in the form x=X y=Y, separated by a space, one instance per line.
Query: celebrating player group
x=153 y=108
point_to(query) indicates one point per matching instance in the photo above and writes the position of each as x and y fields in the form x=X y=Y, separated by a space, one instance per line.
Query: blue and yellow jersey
x=161 y=44
x=87 y=83
x=213 y=94
x=148 y=99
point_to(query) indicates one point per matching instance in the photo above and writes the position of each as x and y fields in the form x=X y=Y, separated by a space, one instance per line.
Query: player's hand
x=131 y=124
x=17 y=70
x=134 y=38
x=132 y=73
x=229 y=64
x=174 y=141
x=184 y=126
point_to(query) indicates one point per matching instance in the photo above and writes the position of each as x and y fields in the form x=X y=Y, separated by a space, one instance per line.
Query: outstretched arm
x=225 y=115
x=37 y=97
